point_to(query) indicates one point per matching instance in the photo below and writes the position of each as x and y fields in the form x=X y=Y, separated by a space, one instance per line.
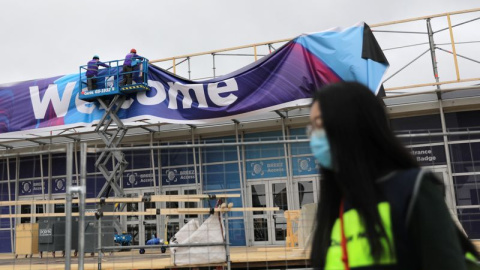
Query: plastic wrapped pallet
x=211 y=231
x=184 y=233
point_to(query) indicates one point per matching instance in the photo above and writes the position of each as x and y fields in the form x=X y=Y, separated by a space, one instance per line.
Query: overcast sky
x=46 y=38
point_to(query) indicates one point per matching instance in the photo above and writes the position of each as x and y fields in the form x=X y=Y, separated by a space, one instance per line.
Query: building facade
x=266 y=160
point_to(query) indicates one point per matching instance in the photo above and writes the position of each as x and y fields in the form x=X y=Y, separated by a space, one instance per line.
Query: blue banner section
x=288 y=77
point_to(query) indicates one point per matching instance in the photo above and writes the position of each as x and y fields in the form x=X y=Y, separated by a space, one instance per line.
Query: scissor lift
x=111 y=95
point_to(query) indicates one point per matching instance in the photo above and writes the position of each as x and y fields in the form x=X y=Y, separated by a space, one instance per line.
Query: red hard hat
x=133 y=51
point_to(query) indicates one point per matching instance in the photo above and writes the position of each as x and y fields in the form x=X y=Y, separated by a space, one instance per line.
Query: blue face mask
x=321 y=148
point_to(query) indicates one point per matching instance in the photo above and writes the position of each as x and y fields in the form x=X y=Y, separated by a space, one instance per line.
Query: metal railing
x=111 y=76
x=252 y=50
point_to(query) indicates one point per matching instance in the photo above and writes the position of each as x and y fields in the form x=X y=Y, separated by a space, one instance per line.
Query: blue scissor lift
x=111 y=95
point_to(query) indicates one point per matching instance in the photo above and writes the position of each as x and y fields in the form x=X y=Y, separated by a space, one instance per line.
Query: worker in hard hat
x=131 y=63
x=92 y=71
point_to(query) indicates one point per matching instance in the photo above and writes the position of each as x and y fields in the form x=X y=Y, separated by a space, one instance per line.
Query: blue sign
x=304 y=165
x=32 y=187
x=138 y=179
x=266 y=169
x=59 y=185
x=429 y=155
x=178 y=176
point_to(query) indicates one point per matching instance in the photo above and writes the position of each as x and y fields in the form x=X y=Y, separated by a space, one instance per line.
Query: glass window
x=259 y=197
x=140 y=159
x=463 y=121
x=221 y=153
x=177 y=156
x=173 y=205
x=237 y=232
x=5 y=238
x=30 y=167
x=299 y=148
x=132 y=207
x=221 y=176
x=190 y=204
x=13 y=169
x=59 y=164
x=279 y=191
x=3 y=169
x=91 y=159
x=470 y=219
x=25 y=209
x=415 y=125
x=467 y=189
x=462 y=158
x=305 y=193
x=264 y=150
x=94 y=185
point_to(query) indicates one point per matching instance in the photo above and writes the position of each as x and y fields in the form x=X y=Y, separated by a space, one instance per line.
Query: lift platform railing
x=113 y=78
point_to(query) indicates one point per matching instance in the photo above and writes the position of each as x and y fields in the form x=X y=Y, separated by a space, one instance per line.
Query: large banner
x=285 y=78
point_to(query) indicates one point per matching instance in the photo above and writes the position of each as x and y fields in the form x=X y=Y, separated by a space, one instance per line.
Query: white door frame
x=141 y=221
x=33 y=208
x=315 y=185
x=180 y=219
x=269 y=216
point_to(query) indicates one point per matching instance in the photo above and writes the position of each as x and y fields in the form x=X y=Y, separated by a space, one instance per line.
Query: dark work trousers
x=91 y=83
x=127 y=78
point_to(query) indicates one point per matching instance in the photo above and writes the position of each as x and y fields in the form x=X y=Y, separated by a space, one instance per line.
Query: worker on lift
x=131 y=63
x=92 y=71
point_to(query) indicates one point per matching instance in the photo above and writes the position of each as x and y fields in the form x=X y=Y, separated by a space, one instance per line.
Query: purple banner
x=282 y=79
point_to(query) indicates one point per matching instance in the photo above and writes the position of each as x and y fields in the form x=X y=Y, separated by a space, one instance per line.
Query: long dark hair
x=363 y=149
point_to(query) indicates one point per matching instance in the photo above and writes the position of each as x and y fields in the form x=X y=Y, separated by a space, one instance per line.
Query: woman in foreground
x=378 y=209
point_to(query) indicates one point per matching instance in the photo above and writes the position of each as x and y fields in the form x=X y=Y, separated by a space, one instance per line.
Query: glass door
x=148 y=223
x=31 y=209
x=175 y=222
x=306 y=192
x=258 y=196
x=279 y=222
x=269 y=227
x=133 y=222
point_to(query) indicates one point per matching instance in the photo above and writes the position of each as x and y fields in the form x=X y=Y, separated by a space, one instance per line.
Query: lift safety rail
x=108 y=81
